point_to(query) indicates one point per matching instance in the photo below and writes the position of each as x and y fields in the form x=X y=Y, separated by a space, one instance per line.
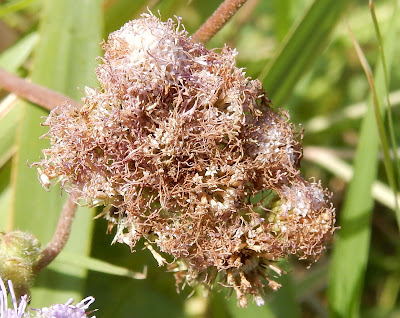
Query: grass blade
x=282 y=17
x=350 y=254
x=14 y=6
x=394 y=179
x=13 y=57
x=299 y=51
x=8 y=127
x=97 y=265
x=10 y=110
x=379 y=118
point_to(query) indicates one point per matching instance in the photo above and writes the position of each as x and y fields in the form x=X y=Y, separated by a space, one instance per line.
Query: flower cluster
x=185 y=151
x=66 y=310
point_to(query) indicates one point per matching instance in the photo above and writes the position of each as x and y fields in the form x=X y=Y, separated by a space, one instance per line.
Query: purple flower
x=66 y=310
x=18 y=310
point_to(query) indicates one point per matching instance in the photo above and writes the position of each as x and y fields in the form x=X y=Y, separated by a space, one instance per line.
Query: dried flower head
x=184 y=150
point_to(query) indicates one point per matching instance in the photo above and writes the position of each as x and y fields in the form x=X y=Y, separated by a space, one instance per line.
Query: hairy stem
x=218 y=19
x=60 y=237
x=34 y=93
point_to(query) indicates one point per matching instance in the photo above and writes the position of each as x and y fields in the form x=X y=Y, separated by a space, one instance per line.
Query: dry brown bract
x=184 y=150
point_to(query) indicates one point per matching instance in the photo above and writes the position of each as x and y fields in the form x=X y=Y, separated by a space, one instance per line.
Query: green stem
x=60 y=237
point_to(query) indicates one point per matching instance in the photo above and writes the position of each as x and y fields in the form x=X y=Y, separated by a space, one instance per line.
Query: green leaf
x=97 y=265
x=282 y=17
x=350 y=254
x=13 y=57
x=351 y=249
x=387 y=135
x=14 y=6
x=8 y=127
x=10 y=111
x=302 y=46
x=11 y=60
x=5 y=196
x=283 y=303
x=64 y=61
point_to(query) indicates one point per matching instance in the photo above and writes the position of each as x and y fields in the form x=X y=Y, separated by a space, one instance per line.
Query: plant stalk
x=60 y=237
x=217 y=20
x=37 y=94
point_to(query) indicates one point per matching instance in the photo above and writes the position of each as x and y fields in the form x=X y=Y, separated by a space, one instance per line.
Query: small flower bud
x=19 y=252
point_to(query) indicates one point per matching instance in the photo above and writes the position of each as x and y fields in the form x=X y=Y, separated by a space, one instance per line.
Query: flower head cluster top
x=184 y=150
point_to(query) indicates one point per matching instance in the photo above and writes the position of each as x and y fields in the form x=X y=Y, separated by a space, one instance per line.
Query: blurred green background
x=303 y=53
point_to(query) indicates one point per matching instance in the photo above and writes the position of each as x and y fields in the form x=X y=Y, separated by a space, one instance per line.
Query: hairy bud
x=19 y=252
x=184 y=150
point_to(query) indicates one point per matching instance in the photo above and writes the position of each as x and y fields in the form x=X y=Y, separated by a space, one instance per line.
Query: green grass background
x=303 y=53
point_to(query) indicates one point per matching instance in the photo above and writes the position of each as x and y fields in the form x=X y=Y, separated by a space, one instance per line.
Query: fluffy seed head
x=184 y=150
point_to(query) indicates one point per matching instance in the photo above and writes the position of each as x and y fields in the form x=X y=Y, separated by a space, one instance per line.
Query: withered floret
x=185 y=151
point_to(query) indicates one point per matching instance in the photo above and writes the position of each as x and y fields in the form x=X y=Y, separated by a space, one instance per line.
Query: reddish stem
x=218 y=19
x=60 y=237
x=34 y=93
